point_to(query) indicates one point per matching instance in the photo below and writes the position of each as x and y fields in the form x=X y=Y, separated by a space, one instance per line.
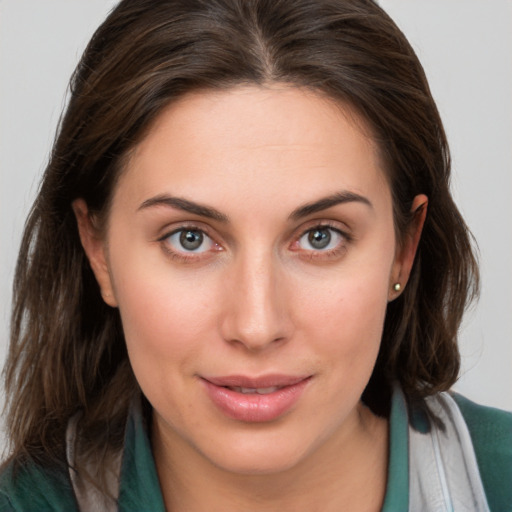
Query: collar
x=140 y=489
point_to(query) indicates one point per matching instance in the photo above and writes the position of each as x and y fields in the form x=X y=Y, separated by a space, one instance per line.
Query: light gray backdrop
x=465 y=48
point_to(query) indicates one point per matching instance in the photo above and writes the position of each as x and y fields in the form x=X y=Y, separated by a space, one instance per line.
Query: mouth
x=255 y=400
x=252 y=391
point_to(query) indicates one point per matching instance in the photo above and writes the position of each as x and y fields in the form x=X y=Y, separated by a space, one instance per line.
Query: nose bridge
x=256 y=315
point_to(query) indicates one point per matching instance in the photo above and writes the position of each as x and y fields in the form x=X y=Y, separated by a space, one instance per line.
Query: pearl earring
x=397 y=287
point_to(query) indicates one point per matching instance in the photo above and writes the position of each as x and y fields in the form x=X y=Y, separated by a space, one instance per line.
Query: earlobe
x=406 y=253
x=95 y=250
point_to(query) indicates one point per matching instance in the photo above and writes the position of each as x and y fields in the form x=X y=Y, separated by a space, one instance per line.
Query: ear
x=95 y=249
x=406 y=252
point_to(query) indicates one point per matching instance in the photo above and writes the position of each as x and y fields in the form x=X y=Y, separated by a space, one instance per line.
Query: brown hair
x=67 y=351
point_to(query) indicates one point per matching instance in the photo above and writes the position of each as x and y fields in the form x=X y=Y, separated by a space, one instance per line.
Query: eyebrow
x=329 y=202
x=211 y=213
x=185 y=205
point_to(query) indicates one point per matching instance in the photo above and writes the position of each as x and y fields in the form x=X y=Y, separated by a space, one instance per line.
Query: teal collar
x=397 y=489
x=140 y=489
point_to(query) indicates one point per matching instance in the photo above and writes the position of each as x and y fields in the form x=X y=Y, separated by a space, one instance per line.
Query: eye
x=321 y=238
x=190 y=240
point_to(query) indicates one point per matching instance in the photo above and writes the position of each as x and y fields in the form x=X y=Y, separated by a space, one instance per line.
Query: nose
x=257 y=312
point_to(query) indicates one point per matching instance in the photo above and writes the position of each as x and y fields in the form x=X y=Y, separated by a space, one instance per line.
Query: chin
x=263 y=463
x=257 y=455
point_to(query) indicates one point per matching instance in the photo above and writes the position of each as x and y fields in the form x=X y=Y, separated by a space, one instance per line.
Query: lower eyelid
x=338 y=252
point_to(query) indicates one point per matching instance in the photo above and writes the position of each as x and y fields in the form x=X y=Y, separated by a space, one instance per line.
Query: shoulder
x=27 y=487
x=491 y=433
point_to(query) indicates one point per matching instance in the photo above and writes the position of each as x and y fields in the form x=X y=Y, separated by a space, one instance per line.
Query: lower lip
x=255 y=408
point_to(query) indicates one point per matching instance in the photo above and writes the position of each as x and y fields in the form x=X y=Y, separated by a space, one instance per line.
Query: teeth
x=252 y=391
x=266 y=391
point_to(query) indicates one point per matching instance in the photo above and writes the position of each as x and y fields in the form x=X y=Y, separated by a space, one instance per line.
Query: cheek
x=165 y=316
x=346 y=312
x=352 y=315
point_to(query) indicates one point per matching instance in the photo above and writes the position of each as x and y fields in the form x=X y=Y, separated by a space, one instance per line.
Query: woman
x=241 y=283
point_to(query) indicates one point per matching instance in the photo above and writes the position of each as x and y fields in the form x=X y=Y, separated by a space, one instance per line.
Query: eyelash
x=312 y=254
x=326 y=254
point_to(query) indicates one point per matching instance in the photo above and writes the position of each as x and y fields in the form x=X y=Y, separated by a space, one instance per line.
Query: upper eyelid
x=337 y=226
x=320 y=225
x=167 y=231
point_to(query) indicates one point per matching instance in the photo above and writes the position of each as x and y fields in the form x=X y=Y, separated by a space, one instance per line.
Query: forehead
x=252 y=140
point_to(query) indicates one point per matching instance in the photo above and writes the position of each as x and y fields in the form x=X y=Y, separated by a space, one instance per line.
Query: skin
x=257 y=297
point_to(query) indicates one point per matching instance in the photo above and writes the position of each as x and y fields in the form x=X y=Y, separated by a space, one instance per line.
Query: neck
x=348 y=472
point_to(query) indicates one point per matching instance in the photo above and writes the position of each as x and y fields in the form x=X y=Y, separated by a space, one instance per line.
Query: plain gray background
x=465 y=49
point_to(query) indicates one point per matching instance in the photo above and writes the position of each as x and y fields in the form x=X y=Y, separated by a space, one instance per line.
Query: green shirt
x=42 y=489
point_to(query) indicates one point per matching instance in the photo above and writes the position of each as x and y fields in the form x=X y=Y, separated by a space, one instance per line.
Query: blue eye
x=321 y=238
x=190 y=240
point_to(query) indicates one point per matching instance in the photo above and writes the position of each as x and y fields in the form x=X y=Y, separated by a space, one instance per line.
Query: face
x=251 y=252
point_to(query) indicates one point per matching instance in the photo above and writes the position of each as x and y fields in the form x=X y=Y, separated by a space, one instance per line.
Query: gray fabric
x=88 y=496
x=443 y=471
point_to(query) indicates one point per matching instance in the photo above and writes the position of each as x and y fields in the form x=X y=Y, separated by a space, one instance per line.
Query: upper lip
x=264 y=381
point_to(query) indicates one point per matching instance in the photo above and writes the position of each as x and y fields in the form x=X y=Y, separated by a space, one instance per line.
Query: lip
x=255 y=408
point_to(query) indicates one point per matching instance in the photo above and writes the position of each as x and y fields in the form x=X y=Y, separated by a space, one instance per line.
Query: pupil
x=319 y=238
x=191 y=240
